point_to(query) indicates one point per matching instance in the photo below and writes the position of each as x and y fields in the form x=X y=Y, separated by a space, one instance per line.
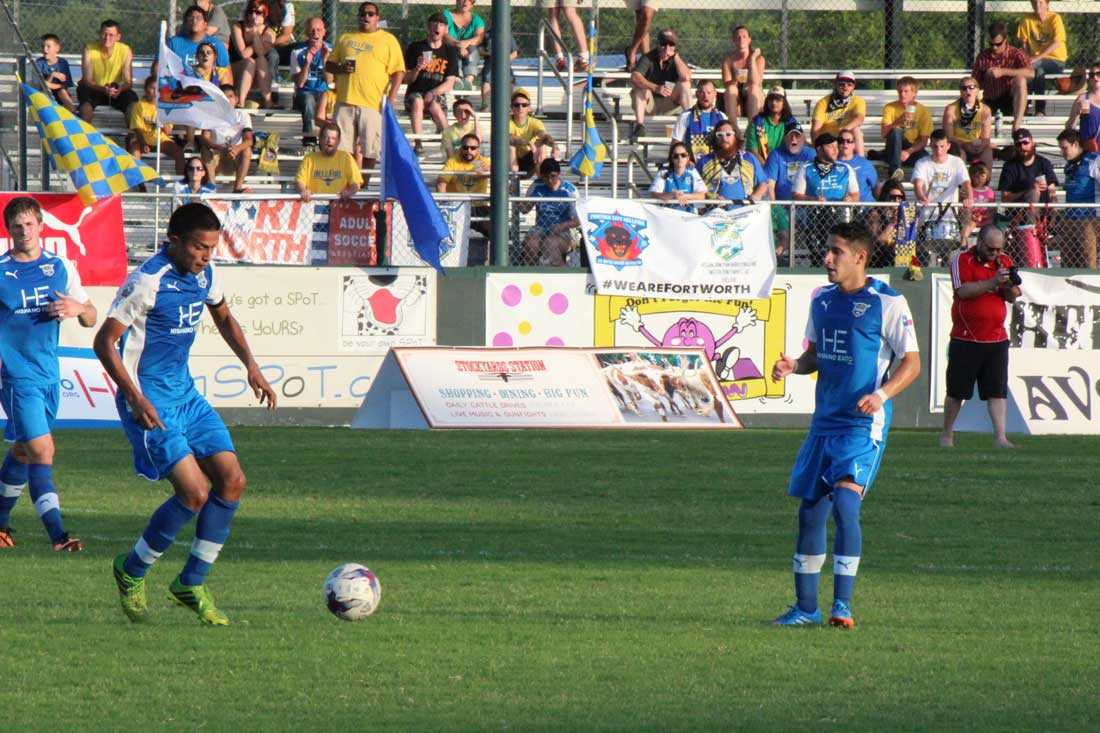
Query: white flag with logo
x=184 y=98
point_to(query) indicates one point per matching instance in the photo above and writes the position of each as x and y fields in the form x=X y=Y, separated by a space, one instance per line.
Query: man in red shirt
x=978 y=351
x=1003 y=72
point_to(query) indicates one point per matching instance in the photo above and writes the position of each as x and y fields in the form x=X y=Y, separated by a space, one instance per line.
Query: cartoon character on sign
x=380 y=311
x=618 y=239
x=692 y=333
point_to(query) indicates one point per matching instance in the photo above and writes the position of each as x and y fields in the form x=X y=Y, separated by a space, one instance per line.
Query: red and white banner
x=277 y=232
x=352 y=234
x=90 y=236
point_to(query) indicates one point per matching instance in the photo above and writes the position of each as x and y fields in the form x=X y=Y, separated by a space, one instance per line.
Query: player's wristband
x=882 y=395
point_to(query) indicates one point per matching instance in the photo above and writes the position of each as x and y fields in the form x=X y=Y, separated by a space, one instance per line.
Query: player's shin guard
x=165 y=523
x=810 y=551
x=211 y=532
x=44 y=496
x=13 y=477
x=848 y=543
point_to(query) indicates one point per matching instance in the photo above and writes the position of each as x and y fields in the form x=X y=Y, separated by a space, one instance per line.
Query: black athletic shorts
x=973 y=361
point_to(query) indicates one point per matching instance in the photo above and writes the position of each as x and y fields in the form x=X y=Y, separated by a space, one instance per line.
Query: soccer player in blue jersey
x=37 y=291
x=863 y=346
x=145 y=343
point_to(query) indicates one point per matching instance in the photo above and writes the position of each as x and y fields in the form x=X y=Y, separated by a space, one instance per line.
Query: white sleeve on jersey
x=216 y=294
x=811 y=331
x=897 y=326
x=135 y=298
x=76 y=290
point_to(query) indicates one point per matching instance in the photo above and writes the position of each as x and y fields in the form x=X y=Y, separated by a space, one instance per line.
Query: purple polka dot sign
x=542 y=309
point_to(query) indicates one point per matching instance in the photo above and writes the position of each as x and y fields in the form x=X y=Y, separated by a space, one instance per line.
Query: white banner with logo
x=1053 y=360
x=452 y=254
x=643 y=250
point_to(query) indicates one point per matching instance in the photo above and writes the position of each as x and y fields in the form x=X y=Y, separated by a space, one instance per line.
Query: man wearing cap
x=906 y=125
x=693 y=127
x=841 y=110
x=823 y=179
x=968 y=123
x=729 y=174
x=527 y=135
x=1027 y=178
x=1003 y=72
x=661 y=82
x=781 y=168
x=766 y=130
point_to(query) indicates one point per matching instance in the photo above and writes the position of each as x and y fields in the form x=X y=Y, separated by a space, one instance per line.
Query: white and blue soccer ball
x=352 y=592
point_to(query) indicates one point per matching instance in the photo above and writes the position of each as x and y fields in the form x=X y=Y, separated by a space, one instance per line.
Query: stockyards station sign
x=639 y=250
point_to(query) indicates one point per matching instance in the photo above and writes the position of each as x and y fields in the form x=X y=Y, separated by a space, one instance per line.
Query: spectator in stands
x=250 y=40
x=55 y=71
x=938 y=179
x=487 y=66
x=892 y=227
x=143 y=128
x=368 y=65
x=529 y=141
x=206 y=65
x=465 y=124
x=693 y=127
x=1043 y=37
x=765 y=131
x=661 y=82
x=841 y=110
x=678 y=180
x=554 y=237
x=466 y=31
x=1002 y=72
x=1028 y=177
x=742 y=76
x=728 y=173
x=431 y=70
x=979 y=216
x=281 y=19
x=568 y=8
x=229 y=150
x=823 y=179
x=307 y=67
x=194 y=31
x=968 y=123
x=196 y=181
x=107 y=73
x=1078 y=225
x=328 y=170
x=782 y=166
x=866 y=175
x=467 y=171
x=217 y=24
x=906 y=125
x=644 y=10
x=1084 y=115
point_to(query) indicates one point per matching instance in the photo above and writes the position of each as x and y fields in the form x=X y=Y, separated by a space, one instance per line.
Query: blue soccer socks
x=13 y=477
x=809 y=554
x=848 y=543
x=44 y=496
x=164 y=525
x=211 y=532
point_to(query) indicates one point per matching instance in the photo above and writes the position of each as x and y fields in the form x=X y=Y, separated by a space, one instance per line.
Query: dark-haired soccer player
x=38 y=290
x=859 y=329
x=173 y=430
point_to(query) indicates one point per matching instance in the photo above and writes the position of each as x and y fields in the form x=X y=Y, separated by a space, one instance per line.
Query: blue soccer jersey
x=28 y=334
x=858 y=336
x=161 y=309
x=840 y=180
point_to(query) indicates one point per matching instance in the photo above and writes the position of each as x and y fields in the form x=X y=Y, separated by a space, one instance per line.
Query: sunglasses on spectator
x=471 y=147
x=520 y=104
x=1094 y=74
x=724 y=133
x=845 y=82
x=680 y=155
x=846 y=140
x=367 y=14
x=997 y=44
x=1024 y=141
x=667 y=43
x=195 y=168
x=897 y=197
x=968 y=87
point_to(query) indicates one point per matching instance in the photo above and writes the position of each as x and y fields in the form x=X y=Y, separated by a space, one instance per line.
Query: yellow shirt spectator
x=377 y=55
x=529 y=132
x=832 y=120
x=458 y=183
x=143 y=120
x=108 y=69
x=1036 y=35
x=328 y=174
x=921 y=126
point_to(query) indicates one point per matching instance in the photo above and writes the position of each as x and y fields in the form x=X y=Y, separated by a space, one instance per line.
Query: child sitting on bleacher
x=983 y=194
x=55 y=71
x=143 y=128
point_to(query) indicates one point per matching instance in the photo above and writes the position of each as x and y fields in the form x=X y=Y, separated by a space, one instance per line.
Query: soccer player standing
x=858 y=329
x=174 y=432
x=37 y=291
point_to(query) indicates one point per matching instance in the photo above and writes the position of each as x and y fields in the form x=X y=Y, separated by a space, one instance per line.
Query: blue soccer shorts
x=31 y=410
x=190 y=428
x=825 y=459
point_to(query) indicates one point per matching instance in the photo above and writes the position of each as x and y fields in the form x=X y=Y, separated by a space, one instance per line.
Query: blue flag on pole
x=588 y=161
x=402 y=179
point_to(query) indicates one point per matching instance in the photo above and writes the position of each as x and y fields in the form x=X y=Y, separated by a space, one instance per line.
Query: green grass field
x=568 y=581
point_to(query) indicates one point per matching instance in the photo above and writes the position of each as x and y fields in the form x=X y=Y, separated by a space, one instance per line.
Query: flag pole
x=156 y=101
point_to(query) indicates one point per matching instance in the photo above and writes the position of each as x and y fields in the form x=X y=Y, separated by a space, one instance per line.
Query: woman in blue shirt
x=678 y=180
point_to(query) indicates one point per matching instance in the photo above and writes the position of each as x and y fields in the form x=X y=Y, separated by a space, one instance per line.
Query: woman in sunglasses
x=194 y=184
x=250 y=40
x=678 y=180
x=893 y=227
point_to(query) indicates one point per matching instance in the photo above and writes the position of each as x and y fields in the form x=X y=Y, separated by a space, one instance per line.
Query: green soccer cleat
x=131 y=591
x=199 y=600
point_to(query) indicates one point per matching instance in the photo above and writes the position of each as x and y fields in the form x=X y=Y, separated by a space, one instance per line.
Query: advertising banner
x=1054 y=356
x=545 y=388
x=353 y=235
x=456 y=214
x=641 y=250
x=90 y=236
x=280 y=232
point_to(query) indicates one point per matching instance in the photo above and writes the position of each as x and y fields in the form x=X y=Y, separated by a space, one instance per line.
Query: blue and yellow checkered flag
x=589 y=159
x=98 y=167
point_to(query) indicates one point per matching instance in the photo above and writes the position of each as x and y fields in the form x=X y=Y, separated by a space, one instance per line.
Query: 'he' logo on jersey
x=190 y=314
x=858 y=309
